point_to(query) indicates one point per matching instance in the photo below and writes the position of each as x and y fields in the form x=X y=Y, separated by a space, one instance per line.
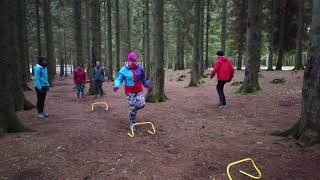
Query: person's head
x=98 y=63
x=220 y=53
x=42 y=61
x=132 y=58
x=80 y=66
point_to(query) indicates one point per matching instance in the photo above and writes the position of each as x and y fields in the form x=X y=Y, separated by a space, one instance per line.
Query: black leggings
x=41 y=97
x=98 y=88
x=220 y=87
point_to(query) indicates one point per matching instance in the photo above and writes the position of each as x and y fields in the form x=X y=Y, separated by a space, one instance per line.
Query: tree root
x=244 y=89
x=156 y=98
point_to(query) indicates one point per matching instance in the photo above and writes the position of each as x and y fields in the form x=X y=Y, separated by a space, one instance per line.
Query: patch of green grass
x=156 y=98
x=244 y=89
x=278 y=81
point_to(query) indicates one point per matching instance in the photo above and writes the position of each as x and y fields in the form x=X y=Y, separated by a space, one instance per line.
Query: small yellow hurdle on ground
x=99 y=103
x=142 y=123
x=242 y=172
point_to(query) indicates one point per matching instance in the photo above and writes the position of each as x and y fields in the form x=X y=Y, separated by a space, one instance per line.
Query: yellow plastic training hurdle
x=242 y=172
x=142 y=123
x=99 y=103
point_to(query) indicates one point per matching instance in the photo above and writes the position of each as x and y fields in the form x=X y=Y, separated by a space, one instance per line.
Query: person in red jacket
x=224 y=69
x=79 y=79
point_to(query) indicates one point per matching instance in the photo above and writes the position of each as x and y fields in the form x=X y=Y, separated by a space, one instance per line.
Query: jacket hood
x=128 y=67
x=223 y=58
x=38 y=66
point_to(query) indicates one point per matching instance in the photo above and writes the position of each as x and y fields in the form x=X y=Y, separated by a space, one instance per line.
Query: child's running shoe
x=131 y=123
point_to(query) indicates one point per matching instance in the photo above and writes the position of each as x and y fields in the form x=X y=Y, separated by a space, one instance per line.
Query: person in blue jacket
x=134 y=78
x=41 y=84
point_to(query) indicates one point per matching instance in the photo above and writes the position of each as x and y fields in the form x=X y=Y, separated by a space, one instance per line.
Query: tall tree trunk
x=128 y=24
x=242 y=12
x=307 y=129
x=147 y=36
x=194 y=81
x=49 y=40
x=201 y=34
x=117 y=33
x=208 y=34
x=95 y=36
x=109 y=41
x=124 y=31
x=11 y=95
x=157 y=52
x=143 y=50
x=23 y=46
x=251 y=80
x=37 y=3
x=87 y=37
x=223 y=25
x=77 y=20
x=298 y=60
x=282 y=34
x=180 y=45
x=61 y=50
x=272 y=31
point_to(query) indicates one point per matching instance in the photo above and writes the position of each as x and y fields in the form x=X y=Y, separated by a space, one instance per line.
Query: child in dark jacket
x=224 y=69
x=79 y=79
x=134 y=78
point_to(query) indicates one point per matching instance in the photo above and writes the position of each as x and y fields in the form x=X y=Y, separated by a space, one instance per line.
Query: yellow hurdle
x=142 y=123
x=99 y=103
x=242 y=172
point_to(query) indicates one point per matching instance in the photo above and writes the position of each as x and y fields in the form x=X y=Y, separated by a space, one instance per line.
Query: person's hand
x=211 y=76
x=150 y=89
x=115 y=89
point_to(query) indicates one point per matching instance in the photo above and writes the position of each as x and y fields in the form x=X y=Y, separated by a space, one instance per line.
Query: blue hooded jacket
x=40 y=77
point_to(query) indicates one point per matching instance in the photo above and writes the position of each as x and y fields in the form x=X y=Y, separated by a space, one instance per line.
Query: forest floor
x=194 y=139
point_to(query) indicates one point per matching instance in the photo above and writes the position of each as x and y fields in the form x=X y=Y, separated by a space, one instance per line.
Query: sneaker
x=219 y=104
x=223 y=107
x=45 y=114
x=41 y=116
x=131 y=123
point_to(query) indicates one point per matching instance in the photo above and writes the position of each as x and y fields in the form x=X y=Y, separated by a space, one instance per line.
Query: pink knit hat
x=132 y=56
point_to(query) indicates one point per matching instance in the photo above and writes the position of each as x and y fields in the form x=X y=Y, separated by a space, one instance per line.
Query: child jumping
x=133 y=76
x=225 y=70
x=79 y=79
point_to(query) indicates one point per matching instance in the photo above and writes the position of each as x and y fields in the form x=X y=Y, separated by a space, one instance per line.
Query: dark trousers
x=41 y=97
x=98 y=88
x=220 y=87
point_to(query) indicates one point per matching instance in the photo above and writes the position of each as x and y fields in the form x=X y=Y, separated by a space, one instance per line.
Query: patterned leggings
x=135 y=103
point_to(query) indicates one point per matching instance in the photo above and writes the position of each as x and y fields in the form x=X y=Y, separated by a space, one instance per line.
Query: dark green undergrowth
x=156 y=98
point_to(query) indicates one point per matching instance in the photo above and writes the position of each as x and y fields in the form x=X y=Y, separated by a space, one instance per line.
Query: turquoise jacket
x=40 y=77
x=132 y=78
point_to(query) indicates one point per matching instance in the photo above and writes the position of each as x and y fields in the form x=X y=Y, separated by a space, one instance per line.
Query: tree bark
x=282 y=34
x=11 y=95
x=128 y=14
x=223 y=25
x=242 y=13
x=180 y=45
x=201 y=34
x=23 y=45
x=298 y=58
x=251 y=80
x=195 y=78
x=109 y=41
x=147 y=34
x=207 y=34
x=157 y=53
x=87 y=37
x=117 y=33
x=49 y=40
x=307 y=129
x=77 y=20
x=95 y=36
x=38 y=18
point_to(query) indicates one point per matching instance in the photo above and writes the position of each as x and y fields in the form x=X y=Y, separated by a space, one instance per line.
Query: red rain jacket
x=79 y=76
x=223 y=67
